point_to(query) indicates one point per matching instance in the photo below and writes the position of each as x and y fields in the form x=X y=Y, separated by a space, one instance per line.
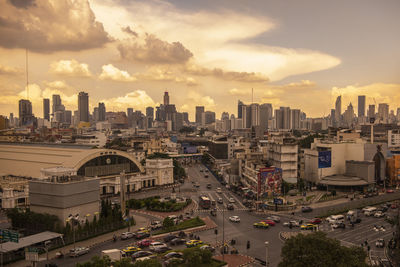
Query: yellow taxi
x=130 y=250
x=308 y=226
x=143 y=230
x=193 y=243
x=261 y=225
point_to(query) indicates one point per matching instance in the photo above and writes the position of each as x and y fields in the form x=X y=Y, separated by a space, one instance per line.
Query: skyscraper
x=371 y=111
x=265 y=115
x=166 y=99
x=102 y=112
x=83 y=106
x=295 y=119
x=282 y=118
x=338 y=110
x=57 y=105
x=46 y=109
x=199 y=112
x=150 y=112
x=383 y=112
x=240 y=104
x=361 y=106
x=255 y=114
x=25 y=112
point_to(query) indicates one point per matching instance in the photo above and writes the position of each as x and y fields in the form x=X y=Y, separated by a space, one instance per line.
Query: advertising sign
x=324 y=159
x=269 y=179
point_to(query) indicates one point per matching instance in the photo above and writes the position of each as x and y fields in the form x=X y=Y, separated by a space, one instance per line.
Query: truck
x=113 y=254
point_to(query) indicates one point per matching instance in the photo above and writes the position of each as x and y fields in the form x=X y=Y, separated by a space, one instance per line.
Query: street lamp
x=266 y=253
x=73 y=219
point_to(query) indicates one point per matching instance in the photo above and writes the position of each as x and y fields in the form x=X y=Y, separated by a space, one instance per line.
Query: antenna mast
x=27 y=78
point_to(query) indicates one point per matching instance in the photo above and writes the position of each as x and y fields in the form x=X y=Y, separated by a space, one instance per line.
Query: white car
x=219 y=191
x=78 y=251
x=127 y=235
x=234 y=218
x=379 y=214
x=153 y=246
x=231 y=200
x=293 y=223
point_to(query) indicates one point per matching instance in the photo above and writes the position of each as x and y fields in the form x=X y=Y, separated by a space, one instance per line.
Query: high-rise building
x=371 y=111
x=348 y=116
x=186 y=117
x=333 y=124
x=46 y=109
x=265 y=115
x=383 y=112
x=397 y=115
x=96 y=114
x=129 y=112
x=255 y=114
x=56 y=103
x=361 y=106
x=240 y=104
x=102 y=112
x=166 y=99
x=209 y=117
x=224 y=116
x=25 y=112
x=199 y=112
x=282 y=118
x=295 y=119
x=246 y=116
x=338 y=110
x=83 y=106
x=68 y=117
x=150 y=112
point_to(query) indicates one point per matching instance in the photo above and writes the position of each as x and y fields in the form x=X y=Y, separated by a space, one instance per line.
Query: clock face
x=108 y=161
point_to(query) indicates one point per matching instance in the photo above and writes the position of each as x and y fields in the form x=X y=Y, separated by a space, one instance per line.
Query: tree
x=168 y=223
x=96 y=261
x=316 y=249
x=147 y=263
x=125 y=262
x=192 y=256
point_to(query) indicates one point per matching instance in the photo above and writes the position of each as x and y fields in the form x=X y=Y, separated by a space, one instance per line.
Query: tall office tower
x=129 y=112
x=83 y=106
x=209 y=117
x=25 y=112
x=186 y=117
x=12 y=124
x=46 y=109
x=265 y=115
x=199 y=112
x=177 y=121
x=361 y=106
x=166 y=99
x=102 y=111
x=68 y=117
x=278 y=119
x=383 y=112
x=295 y=119
x=56 y=103
x=96 y=114
x=282 y=118
x=246 y=116
x=338 y=110
x=224 y=116
x=150 y=112
x=371 y=111
x=240 y=104
x=397 y=115
x=333 y=118
x=348 y=116
x=255 y=114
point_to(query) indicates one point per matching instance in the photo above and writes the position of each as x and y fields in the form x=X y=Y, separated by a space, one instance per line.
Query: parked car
x=316 y=221
x=339 y=225
x=78 y=251
x=270 y=222
x=209 y=186
x=177 y=241
x=291 y=223
x=161 y=249
x=234 y=218
x=141 y=254
x=380 y=243
x=207 y=247
x=141 y=235
x=155 y=245
x=306 y=209
x=173 y=254
x=196 y=184
x=127 y=235
x=379 y=214
x=274 y=218
x=230 y=206
x=219 y=191
x=261 y=225
x=220 y=201
x=308 y=226
x=131 y=250
x=193 y=243
x=168 y=238
x=144 y=243
x=389 y=191
x=156 y=225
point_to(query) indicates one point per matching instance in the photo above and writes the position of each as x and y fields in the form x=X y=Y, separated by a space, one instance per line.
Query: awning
x=29 y=241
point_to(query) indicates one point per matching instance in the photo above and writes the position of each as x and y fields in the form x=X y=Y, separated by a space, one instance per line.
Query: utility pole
x=223 y=234
x=266 y=254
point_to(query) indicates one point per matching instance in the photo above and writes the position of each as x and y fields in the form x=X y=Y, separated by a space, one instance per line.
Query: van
x=155 y=245
x=370 y=211
x=335 y=219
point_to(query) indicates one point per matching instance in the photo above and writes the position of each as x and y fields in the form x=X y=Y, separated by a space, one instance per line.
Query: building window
x=144 y=184
x=153 y=182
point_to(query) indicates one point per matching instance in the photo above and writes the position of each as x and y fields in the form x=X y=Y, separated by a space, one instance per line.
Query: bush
x=154 y=204
x=195 y=222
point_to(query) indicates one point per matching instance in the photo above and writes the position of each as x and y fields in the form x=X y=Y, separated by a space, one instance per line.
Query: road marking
x=210 y=196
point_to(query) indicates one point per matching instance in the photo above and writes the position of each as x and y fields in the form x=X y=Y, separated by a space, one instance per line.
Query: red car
x=144 y=243
x=270 y=222
x=389 y=191
x=316 y=221
x=394 y=206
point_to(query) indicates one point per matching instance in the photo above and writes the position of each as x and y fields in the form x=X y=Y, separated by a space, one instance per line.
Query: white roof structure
x=29 y=241
x=28 y=159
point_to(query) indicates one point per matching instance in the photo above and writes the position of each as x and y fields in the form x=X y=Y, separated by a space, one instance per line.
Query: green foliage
x=206 y=159
x=179 y=171
x=187 y=129
x=96 y=261
x=158 y=155
x=147 y=263
x=306 y=142
x=182 y=226
x=154 y=204
x=33 y=222
x=125 y=262
x=300 y=184
x=316 y=249
x=168 y=223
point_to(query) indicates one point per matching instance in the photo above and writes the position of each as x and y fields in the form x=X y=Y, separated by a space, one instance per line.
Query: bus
x=204 y=202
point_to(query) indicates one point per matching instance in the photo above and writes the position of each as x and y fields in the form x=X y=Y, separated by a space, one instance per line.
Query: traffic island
x=235 y=260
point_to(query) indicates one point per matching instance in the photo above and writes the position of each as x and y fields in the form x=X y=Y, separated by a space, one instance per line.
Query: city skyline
x=275 y=48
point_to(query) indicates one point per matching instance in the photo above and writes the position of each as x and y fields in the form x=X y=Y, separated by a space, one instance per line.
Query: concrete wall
x=361 y=169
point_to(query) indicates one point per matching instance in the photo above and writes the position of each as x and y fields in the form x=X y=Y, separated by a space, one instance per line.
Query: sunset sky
x=299 y=53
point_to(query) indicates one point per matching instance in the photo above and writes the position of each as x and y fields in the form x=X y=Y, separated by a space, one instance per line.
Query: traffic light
x=248 y=244
x=216 y=231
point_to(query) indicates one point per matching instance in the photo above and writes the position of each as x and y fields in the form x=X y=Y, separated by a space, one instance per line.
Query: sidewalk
x=140 y=222
x=235 y=260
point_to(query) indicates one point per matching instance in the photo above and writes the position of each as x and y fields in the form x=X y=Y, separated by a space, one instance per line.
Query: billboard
x=324 y=159
x=190 y=150
x=269 y=180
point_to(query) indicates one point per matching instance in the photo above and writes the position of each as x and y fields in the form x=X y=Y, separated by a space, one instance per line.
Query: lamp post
x=73 y=220
x=266 y=253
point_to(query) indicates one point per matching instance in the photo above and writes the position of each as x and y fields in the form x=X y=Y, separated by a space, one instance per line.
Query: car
x=306 y=209
x=196 y=184
x=220 y=201
x=206 y=176
x=78 y=251
x=230 y=206
x=308 y=226
x=161 y=249
x=141 y=254
x=177 y=241
x=193 y=243
x=173 y=254
x=379 y=214
x=206 y=170
x=201 y=170
x=261 y=225
x=270 y=222
x=141 y=235
x=131 y=250
x=127 y=235
x=338 y=225
x=393 y=206
x=380 y=243
x=207 y=247
x=389 y=191
x=234 y=218
x=291 y=223
x=219 y=191
x=155 y=245
x=173 y=262
x=168 y=238
x=274 y=218
x=144 y=243
x=156 y=225
x=231 y=200
x=209 y=186
x=316 y=221
x=366 y=208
